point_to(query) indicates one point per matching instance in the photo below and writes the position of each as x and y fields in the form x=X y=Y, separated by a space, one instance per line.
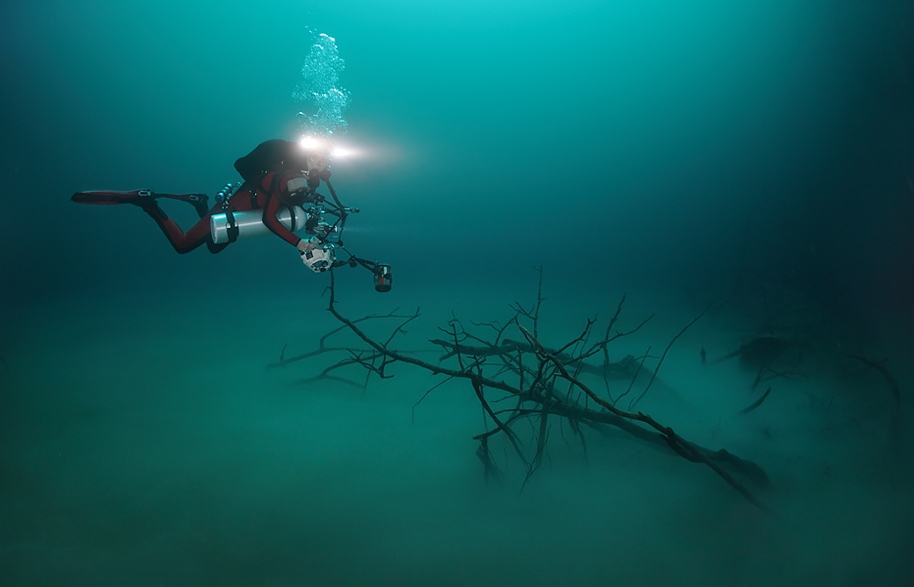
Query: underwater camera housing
x=320 y=259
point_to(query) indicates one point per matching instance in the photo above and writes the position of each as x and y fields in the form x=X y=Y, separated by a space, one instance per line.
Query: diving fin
x=145 y=197
x=109 y=198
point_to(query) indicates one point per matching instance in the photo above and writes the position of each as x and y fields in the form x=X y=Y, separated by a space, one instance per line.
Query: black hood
x=272 y=155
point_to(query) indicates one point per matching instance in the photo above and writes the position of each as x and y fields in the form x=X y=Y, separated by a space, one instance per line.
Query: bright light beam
x=310 y=143
x=340 y=152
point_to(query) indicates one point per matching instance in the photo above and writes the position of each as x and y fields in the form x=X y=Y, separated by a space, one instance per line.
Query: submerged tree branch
x=539 y=370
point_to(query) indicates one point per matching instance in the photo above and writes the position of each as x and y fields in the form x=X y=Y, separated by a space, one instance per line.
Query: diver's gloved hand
x=297 y=184
x=307 y=245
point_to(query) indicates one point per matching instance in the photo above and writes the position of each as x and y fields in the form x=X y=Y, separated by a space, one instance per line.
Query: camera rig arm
x=331 y=235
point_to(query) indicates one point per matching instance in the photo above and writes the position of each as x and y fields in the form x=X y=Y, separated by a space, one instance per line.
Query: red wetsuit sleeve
x=274 y=186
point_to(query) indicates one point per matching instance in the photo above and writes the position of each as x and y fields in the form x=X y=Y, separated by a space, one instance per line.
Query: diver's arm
x=274 y=186
x=270 y=210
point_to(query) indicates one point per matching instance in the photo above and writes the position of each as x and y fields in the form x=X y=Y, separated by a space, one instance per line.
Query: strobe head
x=383 y=279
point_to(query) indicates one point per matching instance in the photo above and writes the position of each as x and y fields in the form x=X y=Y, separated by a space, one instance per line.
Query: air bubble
x=319 y=90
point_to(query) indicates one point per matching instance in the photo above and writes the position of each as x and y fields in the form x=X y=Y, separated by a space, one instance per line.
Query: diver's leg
x=200 y=202
x=183 y=242
x=201 y=229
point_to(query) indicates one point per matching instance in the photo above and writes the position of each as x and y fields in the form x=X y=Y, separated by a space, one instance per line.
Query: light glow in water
x=341 y=152
x=310 y=143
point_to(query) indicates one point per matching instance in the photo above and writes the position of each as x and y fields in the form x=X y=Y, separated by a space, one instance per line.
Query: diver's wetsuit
x=266 y=171
x=268 y=195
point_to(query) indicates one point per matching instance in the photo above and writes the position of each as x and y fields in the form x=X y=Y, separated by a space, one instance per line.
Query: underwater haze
x=741 y=174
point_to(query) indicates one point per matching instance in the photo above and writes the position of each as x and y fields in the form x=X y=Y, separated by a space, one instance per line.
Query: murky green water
x=751 y=159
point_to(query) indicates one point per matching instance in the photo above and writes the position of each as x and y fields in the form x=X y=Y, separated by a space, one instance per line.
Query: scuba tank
x=229 y=226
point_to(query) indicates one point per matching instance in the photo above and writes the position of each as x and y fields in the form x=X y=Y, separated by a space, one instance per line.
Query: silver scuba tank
x=229 y=226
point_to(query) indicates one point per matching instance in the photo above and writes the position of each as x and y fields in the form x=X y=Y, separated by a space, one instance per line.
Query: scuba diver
x=280 y=179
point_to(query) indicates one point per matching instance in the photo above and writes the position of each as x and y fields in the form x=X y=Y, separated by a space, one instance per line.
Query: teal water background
x=755 y=155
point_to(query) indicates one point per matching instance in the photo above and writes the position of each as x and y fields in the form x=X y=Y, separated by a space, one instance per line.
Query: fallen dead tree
x=543 y=384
